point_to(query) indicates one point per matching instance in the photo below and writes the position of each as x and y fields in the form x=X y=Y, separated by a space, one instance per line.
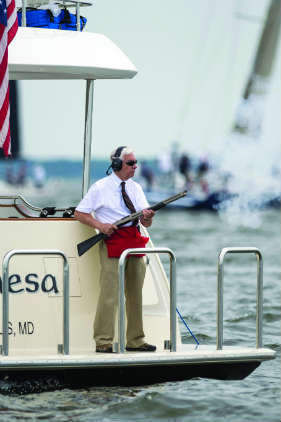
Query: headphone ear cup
x=116 y=164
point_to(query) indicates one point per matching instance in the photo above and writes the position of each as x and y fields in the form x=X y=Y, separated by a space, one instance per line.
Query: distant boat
x=210 y=201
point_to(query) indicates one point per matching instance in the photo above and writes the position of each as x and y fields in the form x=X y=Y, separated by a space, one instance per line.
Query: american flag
x=8 y=29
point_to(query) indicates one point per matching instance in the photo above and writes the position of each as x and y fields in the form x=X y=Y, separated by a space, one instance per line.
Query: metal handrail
x=65 y=3
x=173 y=293
x=18 y=196
x=5 y=295
x=30 y=206
x=259 y=293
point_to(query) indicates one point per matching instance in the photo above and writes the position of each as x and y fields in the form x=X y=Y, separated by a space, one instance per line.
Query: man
x=111 y=199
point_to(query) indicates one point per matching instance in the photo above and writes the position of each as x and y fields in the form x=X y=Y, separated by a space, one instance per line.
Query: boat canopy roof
x=37 y=53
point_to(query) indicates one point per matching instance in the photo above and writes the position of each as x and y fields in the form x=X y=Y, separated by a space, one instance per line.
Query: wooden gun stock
x=82 y=247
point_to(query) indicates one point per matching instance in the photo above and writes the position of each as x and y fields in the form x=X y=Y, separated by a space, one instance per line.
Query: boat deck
x=188 y=354
x=137 y=368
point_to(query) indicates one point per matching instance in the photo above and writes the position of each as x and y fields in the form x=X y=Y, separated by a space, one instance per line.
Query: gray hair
x=125 y=151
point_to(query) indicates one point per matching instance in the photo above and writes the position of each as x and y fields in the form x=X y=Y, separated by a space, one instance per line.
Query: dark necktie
x=128 y=201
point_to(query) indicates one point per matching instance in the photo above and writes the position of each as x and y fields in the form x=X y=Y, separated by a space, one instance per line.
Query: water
x=196 y=238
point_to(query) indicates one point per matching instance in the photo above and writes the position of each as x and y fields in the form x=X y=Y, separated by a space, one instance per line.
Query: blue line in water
x=187 y=326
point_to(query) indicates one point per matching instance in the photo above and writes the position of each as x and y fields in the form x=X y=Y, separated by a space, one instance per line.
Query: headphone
x=116 y=163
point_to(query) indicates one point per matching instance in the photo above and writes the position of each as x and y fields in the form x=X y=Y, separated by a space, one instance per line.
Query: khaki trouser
x=104 y=324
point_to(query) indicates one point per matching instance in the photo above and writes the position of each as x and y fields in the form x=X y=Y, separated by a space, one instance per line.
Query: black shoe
x=145 y=347
x=104 y=348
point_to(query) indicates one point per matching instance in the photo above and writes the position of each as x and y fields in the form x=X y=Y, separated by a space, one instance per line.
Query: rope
x=187 y=326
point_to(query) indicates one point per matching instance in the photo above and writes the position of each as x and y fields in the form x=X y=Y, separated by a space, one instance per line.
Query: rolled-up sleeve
x=91 y=201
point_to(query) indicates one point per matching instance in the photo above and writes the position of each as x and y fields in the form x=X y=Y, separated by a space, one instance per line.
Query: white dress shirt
x=104 y=198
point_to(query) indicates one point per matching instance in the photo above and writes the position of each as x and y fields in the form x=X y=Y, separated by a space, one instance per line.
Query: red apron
x=125 y=238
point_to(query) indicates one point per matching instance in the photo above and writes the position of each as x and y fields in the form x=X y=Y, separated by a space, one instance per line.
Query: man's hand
x=146 y=218
x=89 y=220
x=107 y=229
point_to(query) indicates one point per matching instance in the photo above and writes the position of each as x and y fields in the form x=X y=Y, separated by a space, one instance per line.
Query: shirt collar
x=117 y=179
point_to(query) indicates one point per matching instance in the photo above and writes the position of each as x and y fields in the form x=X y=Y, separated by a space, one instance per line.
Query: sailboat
x=49 y=293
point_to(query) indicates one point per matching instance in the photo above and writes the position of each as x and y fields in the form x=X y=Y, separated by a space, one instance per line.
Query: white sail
x=216 y=81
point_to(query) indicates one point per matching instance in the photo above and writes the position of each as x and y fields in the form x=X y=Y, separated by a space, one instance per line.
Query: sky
x=193 y=60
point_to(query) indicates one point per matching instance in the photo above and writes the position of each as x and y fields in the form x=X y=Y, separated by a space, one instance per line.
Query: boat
x=49 y=293
x=208 y=202
x=214 y=201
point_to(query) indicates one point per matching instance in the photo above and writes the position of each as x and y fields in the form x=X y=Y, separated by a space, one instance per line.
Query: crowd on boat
x=179 y=171
x=210 y=185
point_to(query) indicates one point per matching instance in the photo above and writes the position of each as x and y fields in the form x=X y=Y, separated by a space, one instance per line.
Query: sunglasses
x=131 y=162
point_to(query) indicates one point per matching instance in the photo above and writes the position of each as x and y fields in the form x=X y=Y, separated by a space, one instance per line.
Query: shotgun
x=82 y=247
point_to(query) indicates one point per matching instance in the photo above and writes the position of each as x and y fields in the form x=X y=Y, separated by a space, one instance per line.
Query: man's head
x=123 y=162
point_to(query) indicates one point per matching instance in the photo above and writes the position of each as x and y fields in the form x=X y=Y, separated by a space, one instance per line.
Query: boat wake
x=29 y=383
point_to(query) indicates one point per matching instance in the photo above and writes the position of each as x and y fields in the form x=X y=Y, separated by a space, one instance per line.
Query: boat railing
x=19 y=197
x=42 y=212
x=259 y=292
x=172 y=343
x=62 y=4
x=62 y=348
